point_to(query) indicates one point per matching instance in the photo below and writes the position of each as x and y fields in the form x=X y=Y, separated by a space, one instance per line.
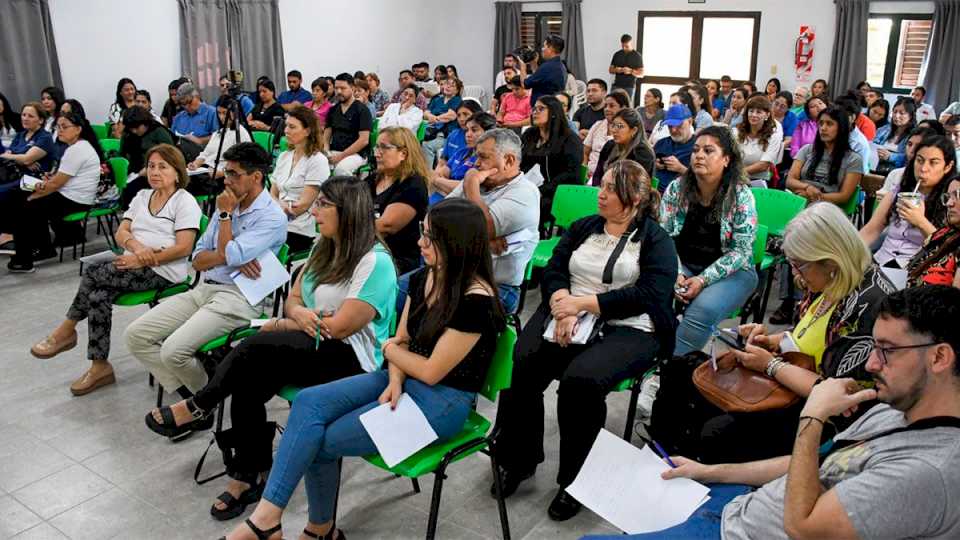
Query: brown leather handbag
x=735 y=388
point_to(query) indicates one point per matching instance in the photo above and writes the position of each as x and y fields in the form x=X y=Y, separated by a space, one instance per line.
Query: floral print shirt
x=738 y=229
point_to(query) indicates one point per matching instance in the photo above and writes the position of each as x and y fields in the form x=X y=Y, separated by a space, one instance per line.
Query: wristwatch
x=225 y=216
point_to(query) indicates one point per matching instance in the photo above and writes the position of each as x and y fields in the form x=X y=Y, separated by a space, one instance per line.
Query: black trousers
x=255 y=371
x=298 y=242
x=33 y=220
x=587 y=373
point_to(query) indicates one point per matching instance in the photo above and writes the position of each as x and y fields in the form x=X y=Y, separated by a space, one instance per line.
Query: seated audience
x=591 y=112
x=441 y=112
x=710 y=213
x=171 y=108
x=295 y=94
x=913 y=209
x=673 y=152
x=800 y=96
x=827 y=170
x=893 y=456
x=319 y=104
x=51 y=98
x=347 y=133
x=632 y=305
x=734 y=113
x=345 y=293
x=924 y=110
x=891 y=139
x=209 y=154
x=760 y=138
x=512 y=62
x=515 y=107
x=405 y=113
x=157 y=235
x=299 y=173
x=267 y=108
x=702 y=108
x=952 y=129
x=125 y=98
x=498 y=93
x=879 y=113
x=780 y=109
x=197 y=121
x=843 y=290
x=144 y=100
x=450 y=171
x=141 y=133
x=652 y=110
x=9 y=123
x=32 y=149
x=378 y=96
x=629 y=142
x=894 y=177
x=599 y=133
x=361 y=90
x=246 y=104
x=249 y=223
x=713 y=96
x=952 y=110
x=936 y=262
x=456 y=139
x=806 y=130
x=399 y=190
x=551 y=75
x=72 y=187
x=510 y=203
x=445 y=341
x=820 y=89
x=554 y=148
x=565 y=99
x=772 y=89
x=405 y=80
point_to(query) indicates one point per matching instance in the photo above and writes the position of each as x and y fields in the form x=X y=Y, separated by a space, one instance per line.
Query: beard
x=906 y=400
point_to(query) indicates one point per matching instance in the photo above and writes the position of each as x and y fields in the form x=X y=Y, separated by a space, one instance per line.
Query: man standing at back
x=296 y=95
x=347 y=133
x=551 y=76
x=626 y=65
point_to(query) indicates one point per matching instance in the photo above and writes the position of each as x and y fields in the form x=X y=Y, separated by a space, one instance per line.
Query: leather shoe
x=509 y=482
x=91 y=380
x=50 y=347
x=563 y=507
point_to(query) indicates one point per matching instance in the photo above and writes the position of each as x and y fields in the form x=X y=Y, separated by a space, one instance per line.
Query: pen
x=663 y=453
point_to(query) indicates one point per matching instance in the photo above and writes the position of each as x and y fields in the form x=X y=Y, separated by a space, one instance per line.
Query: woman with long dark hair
x=828 y=169
x=629 y=142
x=52 y=98
x=760 y=139
x=913 y=210
x=820 y=89
x=879 y=113
x=554 y=147
x=262 y=115
x=734 y=114
x=125 y=98
x=451 y=169
x=806 y=130
x=710 y=213
x=652 y=109
x=891 y=139
x=439 y=357
x=702 y=108
x=9 y=123
x=772 y=88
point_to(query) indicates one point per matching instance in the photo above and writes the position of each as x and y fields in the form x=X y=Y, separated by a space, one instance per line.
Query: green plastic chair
x=374 y=133
x=655 y=183
x=584 y=174
x=422 y=131
x=100 y=130
x=263 y=139
x=775 y=208
x=851 y=207
x=472 y=438
x=119 y=166
x=570 y=203
x=110 y=147
x=633 y=384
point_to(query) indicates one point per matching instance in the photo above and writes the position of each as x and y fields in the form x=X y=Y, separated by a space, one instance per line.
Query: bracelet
x=773 y=367
x=822 y=423
x=124 y=245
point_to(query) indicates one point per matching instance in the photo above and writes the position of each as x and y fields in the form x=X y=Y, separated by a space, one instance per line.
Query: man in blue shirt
x=197 y=121
x=551 y=77
x=250 y=223
x=296 y=95
x=673 y=152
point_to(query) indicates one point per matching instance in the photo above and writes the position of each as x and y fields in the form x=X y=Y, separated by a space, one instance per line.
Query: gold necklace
x=822 y=310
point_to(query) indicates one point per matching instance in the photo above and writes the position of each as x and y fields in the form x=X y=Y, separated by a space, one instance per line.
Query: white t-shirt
x=209 y=153
x=81 y=163
x=410 y=119
x=753 y=152
x=181 y=212
x=597 y=136
x=892 y=181
x=290 y=181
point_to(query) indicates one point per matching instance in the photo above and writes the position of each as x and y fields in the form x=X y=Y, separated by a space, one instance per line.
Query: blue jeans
x=324 y=426
x=704 y=524
x=712 y=305
x=509 y=294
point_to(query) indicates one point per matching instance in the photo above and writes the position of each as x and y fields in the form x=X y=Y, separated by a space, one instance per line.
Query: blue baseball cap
x=676 y=115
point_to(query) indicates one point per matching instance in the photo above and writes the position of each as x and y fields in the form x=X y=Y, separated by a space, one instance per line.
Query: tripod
x=233 y=111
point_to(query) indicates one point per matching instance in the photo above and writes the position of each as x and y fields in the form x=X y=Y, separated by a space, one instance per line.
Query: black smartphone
x=728 y=339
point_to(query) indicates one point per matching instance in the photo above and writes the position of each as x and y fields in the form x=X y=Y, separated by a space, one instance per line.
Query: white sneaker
x=648 y=393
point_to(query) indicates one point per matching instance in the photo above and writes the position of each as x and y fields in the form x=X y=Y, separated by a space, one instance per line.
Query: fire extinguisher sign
x=803 y=53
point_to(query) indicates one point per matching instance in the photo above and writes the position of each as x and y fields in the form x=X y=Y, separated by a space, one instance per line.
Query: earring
x=833 y=274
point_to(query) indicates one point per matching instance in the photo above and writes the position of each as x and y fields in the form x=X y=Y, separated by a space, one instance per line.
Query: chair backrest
x=760 y=244
x=120 y=167
x=374 y=133
x=422 y=131
x=476 y=92
x=850 y=207
x=110 y=145
x=571 y=203
x=284 y=254
x=501 y=366
x=775 y=208
x=655 y=183
x=584 y=174
x=100 y=130
x=204 y=222
x=263 y=139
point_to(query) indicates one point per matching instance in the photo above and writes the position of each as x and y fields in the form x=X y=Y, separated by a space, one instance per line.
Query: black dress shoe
x=563 y=507
x=510 y=481
x=17 y=267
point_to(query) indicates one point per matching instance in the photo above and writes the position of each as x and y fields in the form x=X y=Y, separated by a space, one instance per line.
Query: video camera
x=235 y=78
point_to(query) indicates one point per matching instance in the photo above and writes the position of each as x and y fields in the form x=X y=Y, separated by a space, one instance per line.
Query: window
x=896 y=47
x=672 y=45
x=535 y=26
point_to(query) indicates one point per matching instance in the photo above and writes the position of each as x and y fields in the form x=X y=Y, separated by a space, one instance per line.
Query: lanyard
x=926 y=423
x=612 y=261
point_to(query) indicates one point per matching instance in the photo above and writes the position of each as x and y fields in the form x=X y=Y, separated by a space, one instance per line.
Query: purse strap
x=926 y=423
x=612 y=260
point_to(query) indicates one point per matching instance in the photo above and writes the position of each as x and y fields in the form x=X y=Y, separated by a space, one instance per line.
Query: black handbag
x=10 y=171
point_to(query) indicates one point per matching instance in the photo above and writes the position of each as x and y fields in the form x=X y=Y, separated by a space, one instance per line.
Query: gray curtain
x=256 y=45
x=506 y=34
x=573 y=39
x=848 y=65
x=204 y=44
x=942 y=79
x=28 y=53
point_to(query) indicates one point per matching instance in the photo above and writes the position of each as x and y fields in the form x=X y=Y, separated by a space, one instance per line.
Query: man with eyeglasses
x=936 y=262
x=248 y=224
x=197 y=120
x=894 y=473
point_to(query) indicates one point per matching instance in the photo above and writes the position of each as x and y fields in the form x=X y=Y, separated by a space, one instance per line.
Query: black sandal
x=237 y=505
x=329 y=536
x=261 y=535
x=202 y=420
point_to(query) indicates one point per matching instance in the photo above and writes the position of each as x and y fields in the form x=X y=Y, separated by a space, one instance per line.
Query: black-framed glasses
x=882 y=352
x=383 y=147
x=946 y=197
x=618 y=125
x=323 y=202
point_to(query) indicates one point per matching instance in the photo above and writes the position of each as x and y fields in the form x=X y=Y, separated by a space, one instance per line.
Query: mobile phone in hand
x=731 y=339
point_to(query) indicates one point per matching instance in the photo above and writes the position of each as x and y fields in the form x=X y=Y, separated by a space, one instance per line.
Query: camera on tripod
x=235 y=79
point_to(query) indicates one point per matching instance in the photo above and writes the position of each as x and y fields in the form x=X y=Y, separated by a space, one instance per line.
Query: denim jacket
x=898 y=158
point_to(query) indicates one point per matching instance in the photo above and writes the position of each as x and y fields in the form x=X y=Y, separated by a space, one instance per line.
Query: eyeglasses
x=618 y=125
x=383 y=147
x=883 y=352
x=323 y=202
x=425 y=234
x=954 y=195
x=800 y=267
x=539 y=108
x=233 y=173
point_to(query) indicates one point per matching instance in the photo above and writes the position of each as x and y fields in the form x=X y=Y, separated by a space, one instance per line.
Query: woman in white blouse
x=404 y=114
x=209 y=154
x=298 y=175
x=760 y=138
x=157 y=235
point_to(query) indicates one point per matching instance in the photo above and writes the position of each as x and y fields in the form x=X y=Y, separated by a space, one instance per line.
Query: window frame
x=893 y=49
x=696 y=45
x=539 y=24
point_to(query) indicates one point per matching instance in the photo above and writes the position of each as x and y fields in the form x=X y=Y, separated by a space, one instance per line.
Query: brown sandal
x=50 y=347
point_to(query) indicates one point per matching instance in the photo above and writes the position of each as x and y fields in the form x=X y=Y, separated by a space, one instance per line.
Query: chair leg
x=159 y=395
x=150 y=379
x=439 y=475
x=632 y=410
x=758 y=317
x=498 y=482
x=416 y=485
x=523 y=297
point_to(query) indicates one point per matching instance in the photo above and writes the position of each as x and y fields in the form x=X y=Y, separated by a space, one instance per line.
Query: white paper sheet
x=29 y=183
x=534 y=175
x=583 y=330
x=896 y=276
x=102 y=257
x=272 y=276
x=621 y=483
x=198 y=170
x=398 y=433
x=257 y=323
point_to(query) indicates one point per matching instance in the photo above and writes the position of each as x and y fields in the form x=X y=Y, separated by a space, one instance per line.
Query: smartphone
x=731 y=339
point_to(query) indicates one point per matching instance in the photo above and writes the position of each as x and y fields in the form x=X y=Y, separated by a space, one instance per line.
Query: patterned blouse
x=738 y=229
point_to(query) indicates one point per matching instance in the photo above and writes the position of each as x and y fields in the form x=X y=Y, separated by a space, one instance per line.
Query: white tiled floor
x=88 y=468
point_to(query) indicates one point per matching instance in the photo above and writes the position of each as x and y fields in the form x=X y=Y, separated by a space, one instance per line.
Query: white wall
x=100 y=41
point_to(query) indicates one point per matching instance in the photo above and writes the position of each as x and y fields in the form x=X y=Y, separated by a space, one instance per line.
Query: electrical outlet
x=773 y=69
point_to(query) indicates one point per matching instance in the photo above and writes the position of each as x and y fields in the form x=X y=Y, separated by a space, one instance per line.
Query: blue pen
x=663 y=453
